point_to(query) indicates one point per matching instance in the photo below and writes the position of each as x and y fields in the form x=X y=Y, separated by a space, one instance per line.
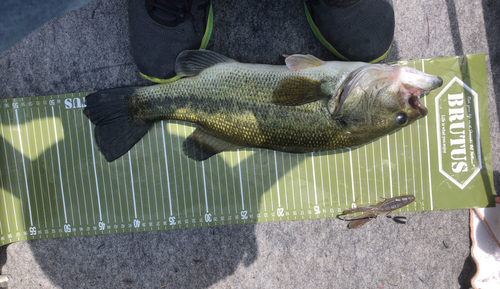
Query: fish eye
x=401 y=119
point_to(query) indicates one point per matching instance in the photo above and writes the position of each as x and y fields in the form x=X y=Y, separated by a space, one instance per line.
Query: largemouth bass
x=309 y=105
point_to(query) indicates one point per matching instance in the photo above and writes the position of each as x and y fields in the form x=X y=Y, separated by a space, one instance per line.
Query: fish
x=307 y=105
x=371 y=212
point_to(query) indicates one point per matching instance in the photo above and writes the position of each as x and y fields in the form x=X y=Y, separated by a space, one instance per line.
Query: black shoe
x=359 y=30
x=161 y=29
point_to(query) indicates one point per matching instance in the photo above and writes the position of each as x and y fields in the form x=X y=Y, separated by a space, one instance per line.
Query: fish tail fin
x=117 y=127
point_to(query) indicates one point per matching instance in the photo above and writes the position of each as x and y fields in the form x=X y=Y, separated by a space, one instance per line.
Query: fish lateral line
x=306 y=106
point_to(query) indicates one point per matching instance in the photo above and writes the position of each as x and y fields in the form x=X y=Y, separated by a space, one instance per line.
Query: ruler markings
x=53 y=166
x=262 y=176
x=315 y=186
x=74 y=166
x=68 y=183
x=95 y=171
x=210 y=161
x=162 y=192
x=59 y=165
x=360 y=193
x=241 y=180
x=255 y=181
x=6 y=212
x=166 y=172
x=291 y=180
x=112 y=192
x=428 y=144
x=88 y=171
x=220 y=187
x=277 y=180
x=352 y=176
x=8 y=178
x=39 y=173
x=270 y=181
x=81 y=171
x=153 y=175
x=196 y=173
x=248 y=183
x=337 y=179
x=227 y=187
x=284 y=178
x=413 y=161
x=300 y=187
x=205 y=187
x=405 y=162
x=189 y=178
x=328 y=160
x=367 y=173
x=141 y=216
x=118 y=190
x=390 y=164
x=122 y=161
x=343 y=174
x=234 y=183
x=104 y=189
x=67 y=187
x=146 y=173
x=31 y=163
x=132 y=187
x=175 y=174
x=307 y=182
x=15 y=165
x=374 y=171
x=397 y=165
x=321 y=177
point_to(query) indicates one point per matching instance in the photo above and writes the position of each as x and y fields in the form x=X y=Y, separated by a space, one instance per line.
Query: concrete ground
x=88 y=49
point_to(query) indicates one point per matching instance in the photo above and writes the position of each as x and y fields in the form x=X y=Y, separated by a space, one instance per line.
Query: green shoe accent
x=159 y=80
x=208 y=31
x=204 y=43
x=327 y=44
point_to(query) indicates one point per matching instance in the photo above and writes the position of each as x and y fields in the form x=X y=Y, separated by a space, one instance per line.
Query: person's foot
x=358 y=30
x=161 y=29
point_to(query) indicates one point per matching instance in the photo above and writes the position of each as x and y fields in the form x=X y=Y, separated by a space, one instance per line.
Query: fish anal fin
x=200 y=145
x=298 y=90
x=301 y=61
x=192 y=62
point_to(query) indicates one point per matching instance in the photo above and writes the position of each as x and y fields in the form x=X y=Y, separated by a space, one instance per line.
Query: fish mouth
x=412 y=84
x=416 y=84
x=414 y=103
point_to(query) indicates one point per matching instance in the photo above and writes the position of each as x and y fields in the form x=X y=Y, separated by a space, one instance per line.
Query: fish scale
x=309 y=105
x=249 y=116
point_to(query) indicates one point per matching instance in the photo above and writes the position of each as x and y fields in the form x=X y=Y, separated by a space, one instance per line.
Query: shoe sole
x=204 y=43
x=328 y=45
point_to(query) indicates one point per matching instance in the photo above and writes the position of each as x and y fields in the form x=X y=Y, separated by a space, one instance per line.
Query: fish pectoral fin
x=301 y=61
x=298 y=90
x=200 y=145
x=192 y=62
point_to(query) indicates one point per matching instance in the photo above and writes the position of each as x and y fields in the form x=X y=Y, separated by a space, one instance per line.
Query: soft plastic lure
x=372 y=211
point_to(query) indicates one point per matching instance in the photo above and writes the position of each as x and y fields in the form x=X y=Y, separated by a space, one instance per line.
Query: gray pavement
x=88 y=49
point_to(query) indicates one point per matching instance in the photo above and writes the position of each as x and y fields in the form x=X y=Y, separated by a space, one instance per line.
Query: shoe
x=356 y=30
x=161 y=29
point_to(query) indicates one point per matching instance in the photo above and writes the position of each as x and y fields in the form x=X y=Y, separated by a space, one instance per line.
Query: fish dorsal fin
x=200 y=145
x=298 y=90
x=301 y=61
x=192 y=62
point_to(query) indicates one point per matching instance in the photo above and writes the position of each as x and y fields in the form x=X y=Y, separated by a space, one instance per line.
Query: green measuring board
x=55 y=183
